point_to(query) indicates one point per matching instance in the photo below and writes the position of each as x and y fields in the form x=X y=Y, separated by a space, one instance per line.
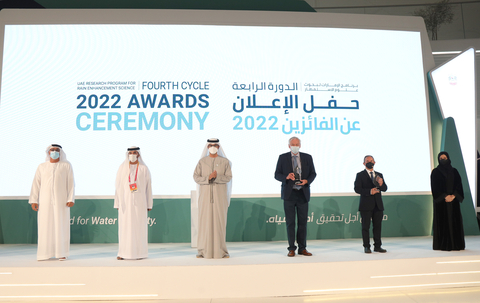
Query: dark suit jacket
x=285 y=166
x=363 y=185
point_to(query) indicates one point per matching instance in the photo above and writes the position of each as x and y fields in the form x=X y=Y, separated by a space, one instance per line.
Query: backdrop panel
x=257 y=219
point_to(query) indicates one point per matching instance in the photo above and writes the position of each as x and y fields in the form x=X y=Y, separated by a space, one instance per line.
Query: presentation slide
x=99 y=89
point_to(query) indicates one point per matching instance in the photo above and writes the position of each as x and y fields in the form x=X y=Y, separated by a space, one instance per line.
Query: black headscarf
x=447 y=170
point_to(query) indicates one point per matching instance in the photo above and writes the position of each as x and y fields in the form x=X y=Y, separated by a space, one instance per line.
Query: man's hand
x=70 y=204
x=212 y=175
x=449 y=198
x=379 y=180
x=35 y=206
x=303 y=182
x=374 y=191
x=291 y=176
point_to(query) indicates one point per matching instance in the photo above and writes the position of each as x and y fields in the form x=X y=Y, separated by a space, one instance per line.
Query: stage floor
x=338 y=270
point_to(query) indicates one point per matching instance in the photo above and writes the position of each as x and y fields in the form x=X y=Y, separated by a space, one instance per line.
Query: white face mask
x=213 y=150
x=295 y=149
x=54 y=155
x=132 y=158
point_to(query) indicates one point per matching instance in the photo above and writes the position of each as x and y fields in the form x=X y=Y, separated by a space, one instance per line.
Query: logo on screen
x=452 y=80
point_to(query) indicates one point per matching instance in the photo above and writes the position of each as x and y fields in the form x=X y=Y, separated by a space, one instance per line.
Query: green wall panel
x=263 y=219
x=254 y=219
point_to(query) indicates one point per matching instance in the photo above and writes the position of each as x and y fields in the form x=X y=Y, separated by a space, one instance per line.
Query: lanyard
x=136 y=172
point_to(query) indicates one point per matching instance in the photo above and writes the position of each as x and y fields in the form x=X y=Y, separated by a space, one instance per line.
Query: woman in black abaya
x=447 y=191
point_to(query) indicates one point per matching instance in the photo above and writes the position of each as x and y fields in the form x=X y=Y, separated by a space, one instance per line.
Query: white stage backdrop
x=98 y=89
x=454 y=83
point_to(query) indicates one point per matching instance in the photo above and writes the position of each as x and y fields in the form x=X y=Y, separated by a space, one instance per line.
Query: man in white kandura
x=214 y=178
x=133 y=198
x=52 y=195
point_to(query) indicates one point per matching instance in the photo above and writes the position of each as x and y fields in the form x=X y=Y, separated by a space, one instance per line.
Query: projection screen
x=97 y=88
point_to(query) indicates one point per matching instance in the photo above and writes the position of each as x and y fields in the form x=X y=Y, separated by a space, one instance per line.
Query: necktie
x=371 y=175
x=295 y=163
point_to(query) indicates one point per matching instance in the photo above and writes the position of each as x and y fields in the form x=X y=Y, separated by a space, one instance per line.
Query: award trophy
x=375 y=182
x=297 y=175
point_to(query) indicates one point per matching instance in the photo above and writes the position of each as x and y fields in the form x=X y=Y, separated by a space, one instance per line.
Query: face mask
x=213 y=150
x=132 y=158
x=369 y=165
x=295 y=149
x=54 y=155
x=445 y=161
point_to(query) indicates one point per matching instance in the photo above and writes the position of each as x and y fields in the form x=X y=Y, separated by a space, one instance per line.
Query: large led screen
x=99 y=89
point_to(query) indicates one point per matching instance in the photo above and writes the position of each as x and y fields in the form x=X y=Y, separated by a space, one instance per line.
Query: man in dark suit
x=369 y=184
x=296 y=194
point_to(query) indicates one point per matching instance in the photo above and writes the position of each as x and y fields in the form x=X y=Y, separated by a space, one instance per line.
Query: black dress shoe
x=380 y=250
x=368 y=250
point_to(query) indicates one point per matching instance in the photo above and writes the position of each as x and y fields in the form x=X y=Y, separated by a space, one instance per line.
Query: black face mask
x=445 y=161
x=369 y=165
